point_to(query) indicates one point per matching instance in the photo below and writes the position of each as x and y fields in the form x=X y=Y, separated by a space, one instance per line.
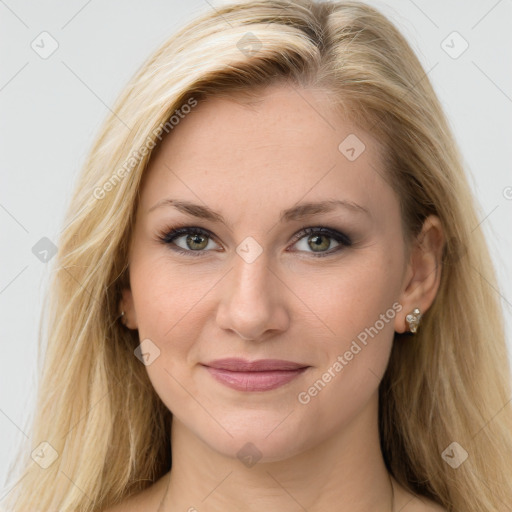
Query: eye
x=195 y=241
x=191 y=240
x=321 y=241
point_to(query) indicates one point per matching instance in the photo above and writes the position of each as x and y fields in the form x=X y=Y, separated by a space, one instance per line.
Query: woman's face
x=291 y=250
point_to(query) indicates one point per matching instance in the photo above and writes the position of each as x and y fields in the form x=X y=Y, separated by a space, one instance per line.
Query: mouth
x=260 y=375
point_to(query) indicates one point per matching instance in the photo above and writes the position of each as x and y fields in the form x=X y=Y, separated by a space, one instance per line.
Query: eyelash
x=168 y=235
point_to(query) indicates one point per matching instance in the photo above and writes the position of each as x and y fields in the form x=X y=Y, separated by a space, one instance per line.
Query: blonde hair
x=448 y=383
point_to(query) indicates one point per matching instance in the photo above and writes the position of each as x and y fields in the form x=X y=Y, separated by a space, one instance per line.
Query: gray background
x=51 y=108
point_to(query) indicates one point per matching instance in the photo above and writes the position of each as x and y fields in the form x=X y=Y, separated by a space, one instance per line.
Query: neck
x=346 y=472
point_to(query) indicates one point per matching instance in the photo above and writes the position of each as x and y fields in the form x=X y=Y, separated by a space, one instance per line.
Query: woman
x=268 y=295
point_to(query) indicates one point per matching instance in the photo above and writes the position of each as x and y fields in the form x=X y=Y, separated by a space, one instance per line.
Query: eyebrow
x=294 y=213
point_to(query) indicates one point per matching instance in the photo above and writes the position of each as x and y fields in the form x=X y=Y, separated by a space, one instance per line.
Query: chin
x=260 y=439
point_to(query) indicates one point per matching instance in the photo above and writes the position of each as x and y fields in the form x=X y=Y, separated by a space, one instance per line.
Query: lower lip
x=254 y=381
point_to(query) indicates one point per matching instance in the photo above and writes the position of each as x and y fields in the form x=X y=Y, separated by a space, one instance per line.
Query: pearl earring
x=413 y=319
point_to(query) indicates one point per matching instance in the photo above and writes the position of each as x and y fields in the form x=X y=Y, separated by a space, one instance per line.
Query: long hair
x=100 y=427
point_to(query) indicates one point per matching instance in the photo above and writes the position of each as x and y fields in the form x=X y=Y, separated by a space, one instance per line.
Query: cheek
x=171 y=304
x=167 y=303
x=352 y=297
x=358 y=304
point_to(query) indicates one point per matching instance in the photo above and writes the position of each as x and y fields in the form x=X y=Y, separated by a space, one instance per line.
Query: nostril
x=242 y=336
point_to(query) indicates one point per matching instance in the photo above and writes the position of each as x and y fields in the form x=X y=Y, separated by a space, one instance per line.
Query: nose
x=252 y=301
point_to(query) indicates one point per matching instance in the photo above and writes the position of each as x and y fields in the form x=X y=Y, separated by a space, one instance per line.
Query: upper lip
x=261 y=365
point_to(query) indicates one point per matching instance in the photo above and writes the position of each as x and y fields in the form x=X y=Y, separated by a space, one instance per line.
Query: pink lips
x=261 y=375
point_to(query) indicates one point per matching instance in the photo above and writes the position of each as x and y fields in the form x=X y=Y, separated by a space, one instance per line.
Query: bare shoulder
x=147 y=500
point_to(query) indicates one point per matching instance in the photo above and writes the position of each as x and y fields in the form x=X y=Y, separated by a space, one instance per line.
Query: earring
x=122 y=317
x=413 y=319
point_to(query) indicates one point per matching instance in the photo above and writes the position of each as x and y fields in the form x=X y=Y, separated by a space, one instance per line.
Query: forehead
x=300 y=117
x=282 y=142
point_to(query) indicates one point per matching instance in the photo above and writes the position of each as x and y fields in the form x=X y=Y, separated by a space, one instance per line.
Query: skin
x=248 y=161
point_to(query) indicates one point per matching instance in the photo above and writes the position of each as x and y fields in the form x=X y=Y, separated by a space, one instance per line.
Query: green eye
x=321 y=241
x=189 y=240
x=195 y=241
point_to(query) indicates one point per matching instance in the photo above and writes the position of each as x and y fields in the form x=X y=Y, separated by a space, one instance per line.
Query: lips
x=262 y=365
x=261 y=375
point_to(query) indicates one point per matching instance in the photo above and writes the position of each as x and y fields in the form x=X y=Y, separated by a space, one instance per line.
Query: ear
x=423 y=274
x=127 y=305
